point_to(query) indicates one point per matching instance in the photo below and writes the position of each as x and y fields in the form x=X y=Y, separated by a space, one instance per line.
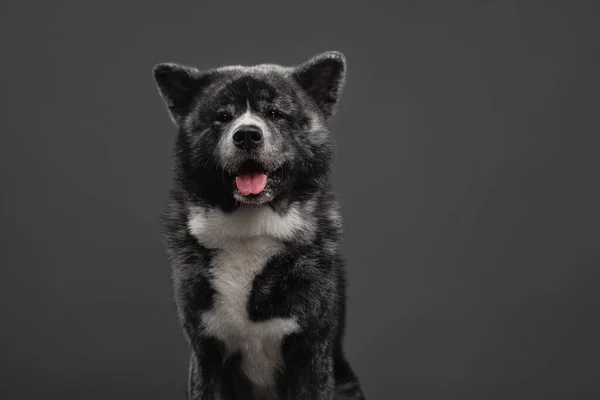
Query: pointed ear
x=323 y=78
x=178 y=85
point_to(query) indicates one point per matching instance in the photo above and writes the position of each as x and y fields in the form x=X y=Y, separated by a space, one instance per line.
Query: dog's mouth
x=253 y=181
x=251 y=178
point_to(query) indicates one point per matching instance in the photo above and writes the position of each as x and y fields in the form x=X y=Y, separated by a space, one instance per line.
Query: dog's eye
x=274 y=114
x=223 y=117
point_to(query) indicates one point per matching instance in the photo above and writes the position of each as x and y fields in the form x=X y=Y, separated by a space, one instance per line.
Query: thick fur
x=259 y=283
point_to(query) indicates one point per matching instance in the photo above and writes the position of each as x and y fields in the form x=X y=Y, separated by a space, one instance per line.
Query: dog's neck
x=216 y=229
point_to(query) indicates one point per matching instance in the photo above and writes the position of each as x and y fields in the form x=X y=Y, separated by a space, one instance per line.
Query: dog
x=252 y=226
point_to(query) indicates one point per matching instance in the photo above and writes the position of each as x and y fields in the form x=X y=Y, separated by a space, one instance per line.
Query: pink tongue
x=251 y=183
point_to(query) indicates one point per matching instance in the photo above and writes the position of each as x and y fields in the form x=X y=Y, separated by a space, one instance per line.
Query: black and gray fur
x=259 y=282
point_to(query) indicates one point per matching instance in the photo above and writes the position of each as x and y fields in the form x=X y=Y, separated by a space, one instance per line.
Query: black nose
x=247 y=137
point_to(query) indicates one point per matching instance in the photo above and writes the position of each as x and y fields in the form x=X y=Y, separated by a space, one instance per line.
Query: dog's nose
x=247 y=137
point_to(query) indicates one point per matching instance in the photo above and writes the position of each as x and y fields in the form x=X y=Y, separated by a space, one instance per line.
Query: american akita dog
x=252 y=229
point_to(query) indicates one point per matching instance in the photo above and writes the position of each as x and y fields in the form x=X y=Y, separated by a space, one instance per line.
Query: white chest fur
x=233 y=273
x=245 y=242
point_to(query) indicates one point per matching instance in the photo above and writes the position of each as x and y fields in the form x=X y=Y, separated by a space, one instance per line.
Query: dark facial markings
x=272 y=100
x=275 y=114
x=279 y=104
x=223 y=116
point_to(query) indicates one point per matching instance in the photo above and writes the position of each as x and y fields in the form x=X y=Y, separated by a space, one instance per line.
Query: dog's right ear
x=178 y=85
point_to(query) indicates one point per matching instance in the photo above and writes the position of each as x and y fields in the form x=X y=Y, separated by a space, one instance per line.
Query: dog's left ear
x=178 y=85
x=323 y=78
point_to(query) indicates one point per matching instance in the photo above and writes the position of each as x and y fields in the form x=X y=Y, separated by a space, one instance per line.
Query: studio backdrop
x=466 y=165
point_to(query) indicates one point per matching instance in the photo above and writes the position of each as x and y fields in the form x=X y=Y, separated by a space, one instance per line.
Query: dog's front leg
x=308 y=371
x=291 y=287
x=205 y=376
x=206 y=353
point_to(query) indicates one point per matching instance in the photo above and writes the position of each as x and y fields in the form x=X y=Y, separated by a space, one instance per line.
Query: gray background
x=467 y=169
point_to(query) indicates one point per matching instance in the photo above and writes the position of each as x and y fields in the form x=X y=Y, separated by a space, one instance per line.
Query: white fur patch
x=246 y=239
x=217 y=230
x=248 y=118
x=234 y=270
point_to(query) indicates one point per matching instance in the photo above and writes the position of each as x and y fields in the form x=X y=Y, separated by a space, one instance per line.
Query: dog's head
x=253 y=134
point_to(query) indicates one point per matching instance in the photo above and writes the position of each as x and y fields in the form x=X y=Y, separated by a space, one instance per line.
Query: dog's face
x=253 y=135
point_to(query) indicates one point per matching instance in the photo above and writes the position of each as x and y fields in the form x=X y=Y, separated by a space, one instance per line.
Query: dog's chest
x=233 y=271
